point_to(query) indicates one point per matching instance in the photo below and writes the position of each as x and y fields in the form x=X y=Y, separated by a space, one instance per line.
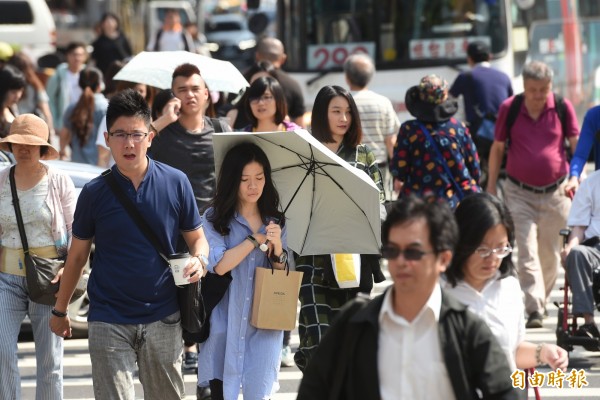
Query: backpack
x=559 y=106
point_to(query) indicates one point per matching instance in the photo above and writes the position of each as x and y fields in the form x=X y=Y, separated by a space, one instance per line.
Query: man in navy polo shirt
x=134 y=316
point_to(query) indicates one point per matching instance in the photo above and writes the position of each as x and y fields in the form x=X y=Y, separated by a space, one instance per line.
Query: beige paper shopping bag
x=275 y=302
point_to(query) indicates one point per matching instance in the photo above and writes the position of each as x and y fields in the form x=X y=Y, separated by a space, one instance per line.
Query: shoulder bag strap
x=217 y=126
x=15 y=198
x=441 y=160
x=134 y=213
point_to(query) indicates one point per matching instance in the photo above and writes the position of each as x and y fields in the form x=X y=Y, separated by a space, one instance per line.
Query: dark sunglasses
x=392 y=252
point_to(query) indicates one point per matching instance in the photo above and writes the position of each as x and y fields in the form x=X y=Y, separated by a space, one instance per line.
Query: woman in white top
x=47 y=202
x=482 y=276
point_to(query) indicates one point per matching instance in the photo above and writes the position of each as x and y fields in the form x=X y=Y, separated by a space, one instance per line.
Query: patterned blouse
x=416 y=163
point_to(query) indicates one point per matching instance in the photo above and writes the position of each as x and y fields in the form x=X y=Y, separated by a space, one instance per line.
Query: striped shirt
x=378 y=120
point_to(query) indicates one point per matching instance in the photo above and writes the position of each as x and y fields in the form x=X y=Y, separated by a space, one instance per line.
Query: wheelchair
x=566 y=326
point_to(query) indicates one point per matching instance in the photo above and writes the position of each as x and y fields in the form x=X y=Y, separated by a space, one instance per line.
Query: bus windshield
x=319 y=34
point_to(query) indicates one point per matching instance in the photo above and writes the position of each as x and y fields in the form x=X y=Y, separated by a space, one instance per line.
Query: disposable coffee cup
x=178 y=263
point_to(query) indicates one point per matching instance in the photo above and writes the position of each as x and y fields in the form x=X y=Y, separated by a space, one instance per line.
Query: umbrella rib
x=347 y=195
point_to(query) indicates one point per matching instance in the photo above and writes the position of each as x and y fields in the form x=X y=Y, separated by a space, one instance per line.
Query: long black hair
x=320 y=116
x=225 y=201
x=475 y=215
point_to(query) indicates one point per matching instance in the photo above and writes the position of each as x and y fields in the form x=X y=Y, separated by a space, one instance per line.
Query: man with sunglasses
x=414 y=341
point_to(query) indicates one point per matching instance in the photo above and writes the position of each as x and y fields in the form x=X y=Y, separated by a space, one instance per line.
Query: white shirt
x=585 y=209
x=101 y=142
x=378 y=120
x=73 y=84
x=410 y=363
x=500 y=305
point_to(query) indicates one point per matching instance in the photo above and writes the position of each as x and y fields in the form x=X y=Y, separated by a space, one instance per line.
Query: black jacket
x=345 y=363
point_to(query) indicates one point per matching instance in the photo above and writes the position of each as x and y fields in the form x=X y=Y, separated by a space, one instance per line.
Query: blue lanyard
x=441 y=161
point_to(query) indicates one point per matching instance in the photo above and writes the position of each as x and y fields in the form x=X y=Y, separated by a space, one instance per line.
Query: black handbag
x=189 y=297
x=40 y=271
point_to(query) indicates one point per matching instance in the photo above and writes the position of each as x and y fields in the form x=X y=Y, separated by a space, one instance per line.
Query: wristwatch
x=281 y=259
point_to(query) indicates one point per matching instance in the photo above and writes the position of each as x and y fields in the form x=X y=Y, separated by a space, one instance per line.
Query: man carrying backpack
x=533 y=126
x=172 y=36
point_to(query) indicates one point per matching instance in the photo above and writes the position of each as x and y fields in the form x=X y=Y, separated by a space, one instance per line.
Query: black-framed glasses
x=499 y=252
x=265 y=99
x=392 y=252
x=123 y=136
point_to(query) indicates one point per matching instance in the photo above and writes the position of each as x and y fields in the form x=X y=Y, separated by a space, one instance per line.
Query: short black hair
x=186 y=70
x=443 y=231
x=478 y=51
x=128 y=103
x=75 y=45
x=475 y=215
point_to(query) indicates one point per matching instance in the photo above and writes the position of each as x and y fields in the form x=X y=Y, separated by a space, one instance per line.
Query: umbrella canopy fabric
x=330 y=206
x=155 y=68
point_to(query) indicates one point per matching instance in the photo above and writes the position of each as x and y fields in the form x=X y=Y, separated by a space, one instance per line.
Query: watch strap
x=253 y=240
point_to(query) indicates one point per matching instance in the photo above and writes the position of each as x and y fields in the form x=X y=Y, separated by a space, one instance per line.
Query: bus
x=408 y=39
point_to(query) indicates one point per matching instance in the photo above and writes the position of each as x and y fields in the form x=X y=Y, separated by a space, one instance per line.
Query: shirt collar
x=434 y=303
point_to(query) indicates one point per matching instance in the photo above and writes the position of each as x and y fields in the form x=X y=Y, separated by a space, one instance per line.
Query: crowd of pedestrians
x=448 y=246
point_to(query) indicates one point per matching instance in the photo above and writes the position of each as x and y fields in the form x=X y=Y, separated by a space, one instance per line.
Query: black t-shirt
x=191 y=153
x=293 y=94
x=107 y=50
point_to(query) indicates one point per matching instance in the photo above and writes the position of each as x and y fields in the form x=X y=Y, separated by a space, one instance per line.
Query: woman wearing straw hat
x=434 y=155
x=47 y=200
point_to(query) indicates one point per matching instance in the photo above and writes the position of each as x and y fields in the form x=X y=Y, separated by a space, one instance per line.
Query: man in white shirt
x=171 y=36
x=414 y=341
x=581 y=255
x=380 y=123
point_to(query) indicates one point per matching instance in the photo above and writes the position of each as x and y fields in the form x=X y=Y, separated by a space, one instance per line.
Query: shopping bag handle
x=286 y=268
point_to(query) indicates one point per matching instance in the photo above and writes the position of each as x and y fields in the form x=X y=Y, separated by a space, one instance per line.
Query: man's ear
x=444 y=258
x=106 y=138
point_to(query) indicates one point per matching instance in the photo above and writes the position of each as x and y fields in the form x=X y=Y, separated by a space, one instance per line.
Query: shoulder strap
x=134 y=213
x=158 y=35
x=513 y=113
x=442 y=161
x=186 y=45
x=217 y=125
x=561 y=111
x=15 y=198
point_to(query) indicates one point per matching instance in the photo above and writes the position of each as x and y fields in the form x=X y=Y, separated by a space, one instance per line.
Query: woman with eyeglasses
x=483 y=276
x=336 y=124
x=266 y=108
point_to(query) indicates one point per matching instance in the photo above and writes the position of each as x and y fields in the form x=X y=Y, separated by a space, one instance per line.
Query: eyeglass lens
x=135 y=136
x=499 y=252
x=264 y=99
